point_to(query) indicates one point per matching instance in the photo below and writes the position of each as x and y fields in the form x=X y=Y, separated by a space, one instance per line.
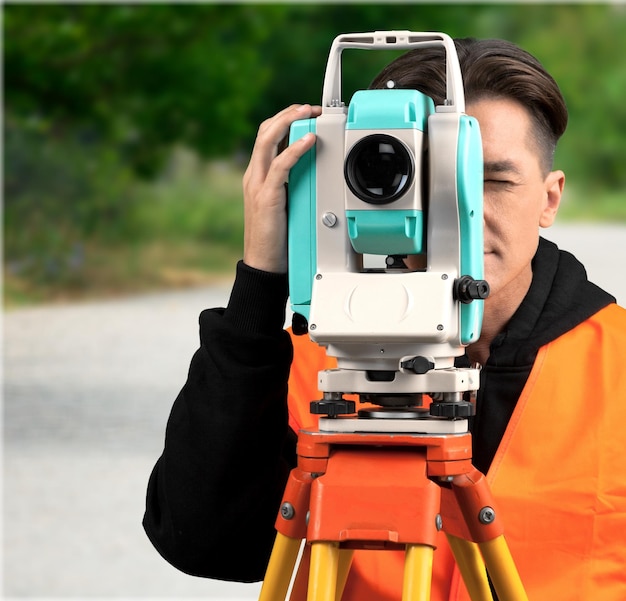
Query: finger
x=271 y=193
x=271 y=133
x=268 y=123
x=278 y=172
x=280 y=123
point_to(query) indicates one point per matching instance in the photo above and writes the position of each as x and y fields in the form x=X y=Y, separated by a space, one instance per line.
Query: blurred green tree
x=140 y=77
x=98 y=94
x=144 y=77
x=585 y=46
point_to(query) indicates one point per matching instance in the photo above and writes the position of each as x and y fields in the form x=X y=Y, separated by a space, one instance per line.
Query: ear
x=554 y=183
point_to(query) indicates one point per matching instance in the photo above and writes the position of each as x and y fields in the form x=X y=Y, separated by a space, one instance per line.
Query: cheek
x=512 y=236
x=511 y=219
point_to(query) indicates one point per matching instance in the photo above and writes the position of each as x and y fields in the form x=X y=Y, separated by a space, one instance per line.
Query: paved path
x=88 y=389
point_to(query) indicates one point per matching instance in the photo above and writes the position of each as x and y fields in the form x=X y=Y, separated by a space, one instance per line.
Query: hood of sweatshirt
x=559 y=298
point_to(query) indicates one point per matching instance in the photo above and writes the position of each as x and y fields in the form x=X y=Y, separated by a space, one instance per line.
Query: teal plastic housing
x=383 y=228
x=301 y=233
x=470 y=207
x=387 y=231
x=389 y=109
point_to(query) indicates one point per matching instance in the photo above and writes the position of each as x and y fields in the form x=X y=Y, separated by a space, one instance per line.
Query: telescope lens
x=379 y=169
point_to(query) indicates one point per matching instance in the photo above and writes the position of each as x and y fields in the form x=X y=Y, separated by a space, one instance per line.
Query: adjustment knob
x=332 y=408
x=467 y=289
x=418 y=365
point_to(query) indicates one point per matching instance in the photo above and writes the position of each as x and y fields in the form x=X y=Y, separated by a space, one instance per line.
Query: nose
x=487 y=210
x=488 y=216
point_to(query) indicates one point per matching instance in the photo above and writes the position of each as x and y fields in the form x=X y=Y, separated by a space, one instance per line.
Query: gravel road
x=87 y=392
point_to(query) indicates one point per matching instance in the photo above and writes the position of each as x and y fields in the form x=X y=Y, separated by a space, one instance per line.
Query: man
x=546 y=431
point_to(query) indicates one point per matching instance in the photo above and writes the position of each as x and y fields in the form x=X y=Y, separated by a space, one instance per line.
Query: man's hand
x=265 y=215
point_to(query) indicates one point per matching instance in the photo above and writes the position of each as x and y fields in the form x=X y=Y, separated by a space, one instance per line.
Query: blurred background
x=127 y=128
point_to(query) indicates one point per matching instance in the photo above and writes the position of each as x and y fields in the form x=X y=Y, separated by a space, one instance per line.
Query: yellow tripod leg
x=418 y=565
x=502 y=570
x=472 y=567
x=324 y=571
x=280 y=568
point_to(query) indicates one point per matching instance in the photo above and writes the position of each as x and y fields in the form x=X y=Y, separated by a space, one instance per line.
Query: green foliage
x=139 y=77
x=599 y=205
x=192 y=200
x=56 y=198
x=144 y=77
x=583 y=47
x=182 y=228
x=99 y=94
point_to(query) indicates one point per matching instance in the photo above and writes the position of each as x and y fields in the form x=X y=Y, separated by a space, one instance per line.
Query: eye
x=498 y=183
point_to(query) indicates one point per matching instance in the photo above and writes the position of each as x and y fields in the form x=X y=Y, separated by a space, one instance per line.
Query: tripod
x=353 y=490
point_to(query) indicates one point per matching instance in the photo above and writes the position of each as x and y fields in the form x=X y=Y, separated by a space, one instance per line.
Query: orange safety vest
x=559 y=474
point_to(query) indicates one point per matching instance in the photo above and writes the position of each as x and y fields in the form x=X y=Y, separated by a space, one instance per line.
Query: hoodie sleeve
x=214 y=493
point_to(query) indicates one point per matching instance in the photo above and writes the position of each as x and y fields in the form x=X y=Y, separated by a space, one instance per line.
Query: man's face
x=518 y=197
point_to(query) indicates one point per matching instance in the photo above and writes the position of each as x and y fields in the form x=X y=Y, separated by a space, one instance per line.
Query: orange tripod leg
x=407 y=469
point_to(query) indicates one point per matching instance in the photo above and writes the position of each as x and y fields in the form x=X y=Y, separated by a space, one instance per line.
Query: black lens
x=379 y=169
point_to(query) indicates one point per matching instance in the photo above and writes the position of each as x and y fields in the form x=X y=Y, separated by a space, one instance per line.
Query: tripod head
x=391 y=175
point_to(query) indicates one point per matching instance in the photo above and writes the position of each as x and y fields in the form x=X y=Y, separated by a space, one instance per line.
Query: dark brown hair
x=490 y=69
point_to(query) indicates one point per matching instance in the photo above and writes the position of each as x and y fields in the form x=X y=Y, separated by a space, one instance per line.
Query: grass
x=593 y=206
x=127 y=269
x=185 y=229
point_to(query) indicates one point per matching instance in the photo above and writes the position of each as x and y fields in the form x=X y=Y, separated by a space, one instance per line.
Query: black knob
x=332 y=408
x=299 y=324
x=467 y=289
x=418 y=365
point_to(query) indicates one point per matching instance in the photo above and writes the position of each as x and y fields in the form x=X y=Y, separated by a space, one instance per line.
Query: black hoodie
x=214 y=493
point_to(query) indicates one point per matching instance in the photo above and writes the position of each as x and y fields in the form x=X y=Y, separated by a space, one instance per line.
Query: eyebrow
x=505 y=166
